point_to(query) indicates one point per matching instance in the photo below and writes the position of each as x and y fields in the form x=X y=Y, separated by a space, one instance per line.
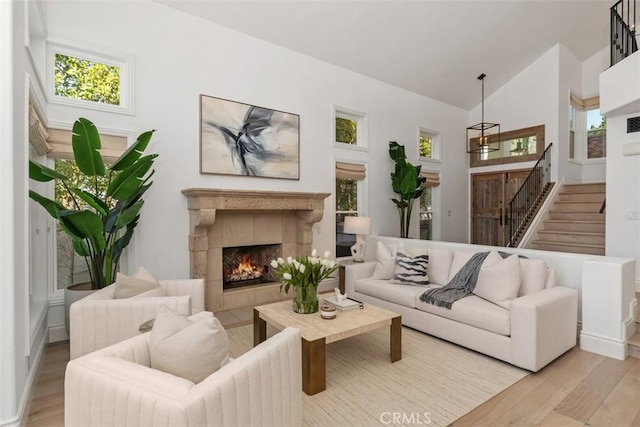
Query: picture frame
x=247 y=140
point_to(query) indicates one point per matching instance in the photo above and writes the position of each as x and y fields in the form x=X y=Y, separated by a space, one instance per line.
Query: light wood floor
x=580 y=388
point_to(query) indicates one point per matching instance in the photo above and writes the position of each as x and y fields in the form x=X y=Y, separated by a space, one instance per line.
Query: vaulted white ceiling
x=435 y=48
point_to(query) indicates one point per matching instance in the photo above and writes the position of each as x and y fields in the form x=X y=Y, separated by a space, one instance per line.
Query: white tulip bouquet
x=304 y=274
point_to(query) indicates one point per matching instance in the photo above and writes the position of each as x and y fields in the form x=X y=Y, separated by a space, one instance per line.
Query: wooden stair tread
x=580 y=245
x=635 y=339
x=571 y=233
x=569 y=221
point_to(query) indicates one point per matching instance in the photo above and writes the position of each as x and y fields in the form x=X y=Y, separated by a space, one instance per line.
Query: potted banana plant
x=99 y=223
x=407 y=183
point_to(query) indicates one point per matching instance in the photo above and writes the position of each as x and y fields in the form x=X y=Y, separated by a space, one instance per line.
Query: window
x=349 y=178
x=572 y=132
x=520 y=145
x=426 y=204
x=426 y=215
x=90 y=80
x=350 y=128
x=428 y=144
x=596 y=135
x=587 y=129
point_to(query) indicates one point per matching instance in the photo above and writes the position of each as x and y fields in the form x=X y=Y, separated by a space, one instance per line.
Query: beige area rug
x=435 y=383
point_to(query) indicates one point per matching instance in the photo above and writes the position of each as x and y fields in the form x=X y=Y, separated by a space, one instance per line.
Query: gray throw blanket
x=460 y=285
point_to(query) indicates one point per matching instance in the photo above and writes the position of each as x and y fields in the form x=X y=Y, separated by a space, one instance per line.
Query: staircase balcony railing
x=623 y=30
x=523 y=205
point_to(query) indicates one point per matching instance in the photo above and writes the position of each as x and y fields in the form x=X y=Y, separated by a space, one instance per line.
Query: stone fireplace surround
x=225 y=218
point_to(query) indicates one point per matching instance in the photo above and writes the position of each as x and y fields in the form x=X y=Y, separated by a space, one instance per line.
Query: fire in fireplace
x=248 y=265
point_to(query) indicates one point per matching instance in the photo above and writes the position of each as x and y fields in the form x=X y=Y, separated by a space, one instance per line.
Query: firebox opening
x=248 y=265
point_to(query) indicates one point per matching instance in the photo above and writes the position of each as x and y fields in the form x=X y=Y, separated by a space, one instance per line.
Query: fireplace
x=220 y=219
x=248 y=265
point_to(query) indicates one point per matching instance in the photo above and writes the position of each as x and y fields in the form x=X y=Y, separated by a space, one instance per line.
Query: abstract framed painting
x=247 y=140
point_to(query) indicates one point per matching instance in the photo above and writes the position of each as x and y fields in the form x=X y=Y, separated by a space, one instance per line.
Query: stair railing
x=623 y=30
x=522 y=206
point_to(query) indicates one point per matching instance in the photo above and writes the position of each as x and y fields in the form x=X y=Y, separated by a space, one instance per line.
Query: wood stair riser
x=581 y=197
x=584 y=188
x=565 y=247
x=577 y=216
x=571 y=238
x=584 y=227
x=577 y=206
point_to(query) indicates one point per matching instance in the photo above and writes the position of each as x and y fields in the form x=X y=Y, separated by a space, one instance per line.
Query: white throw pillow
x=410 y=270
x=499 y=279
x=439 y=265
x=185 y=348
x=460 y=258
x=550 y=278
x=128 y=286
x=533 y=273
x=386 y=261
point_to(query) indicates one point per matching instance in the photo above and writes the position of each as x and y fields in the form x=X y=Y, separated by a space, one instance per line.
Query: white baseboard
x=603 y=346
x=20 y=419
x=58 y=333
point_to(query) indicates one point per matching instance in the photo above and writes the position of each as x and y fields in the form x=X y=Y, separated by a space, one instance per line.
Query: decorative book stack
x=345 y=304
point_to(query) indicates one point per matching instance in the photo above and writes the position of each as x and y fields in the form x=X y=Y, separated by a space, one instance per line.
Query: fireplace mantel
x=220 y=218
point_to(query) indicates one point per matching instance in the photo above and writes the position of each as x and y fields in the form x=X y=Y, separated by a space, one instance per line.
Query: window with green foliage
x=90 y=79
x=350 y=128
x=346 y=205
x=425 y=146
x=87 y=80
x=346 y=131
x=426 y=214
x=596 y=135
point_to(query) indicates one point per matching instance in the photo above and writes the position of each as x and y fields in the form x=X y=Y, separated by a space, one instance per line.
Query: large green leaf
x=128 y=181
x=86 y=143
x=49 y=205
x=396 y=151
x=41 y=173
x=129 y=215
x=123 y=241
x=80 y=247
x=133 y=153
x=84 y=225
x=92 y=200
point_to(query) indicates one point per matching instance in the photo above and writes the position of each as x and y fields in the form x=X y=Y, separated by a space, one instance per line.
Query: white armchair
x=99 y=320
x=116 y=387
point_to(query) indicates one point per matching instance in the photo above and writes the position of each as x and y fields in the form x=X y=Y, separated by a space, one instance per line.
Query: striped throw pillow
x=411 y=270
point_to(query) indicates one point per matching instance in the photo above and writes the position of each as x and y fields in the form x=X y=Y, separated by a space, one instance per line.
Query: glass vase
x=305 y=300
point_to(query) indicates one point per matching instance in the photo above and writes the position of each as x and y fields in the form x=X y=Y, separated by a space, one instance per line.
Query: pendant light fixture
x=483 y=137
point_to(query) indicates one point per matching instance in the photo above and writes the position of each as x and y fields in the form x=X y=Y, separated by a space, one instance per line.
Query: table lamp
x=360 y=226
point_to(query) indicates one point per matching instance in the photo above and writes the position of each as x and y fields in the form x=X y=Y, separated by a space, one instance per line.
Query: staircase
x=574 y=223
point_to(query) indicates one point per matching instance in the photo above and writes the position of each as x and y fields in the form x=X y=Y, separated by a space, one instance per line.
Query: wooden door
x=490 y=196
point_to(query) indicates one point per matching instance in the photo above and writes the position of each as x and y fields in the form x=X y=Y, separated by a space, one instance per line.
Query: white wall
x=178 y=57
x=22 y=307
x=618 y=103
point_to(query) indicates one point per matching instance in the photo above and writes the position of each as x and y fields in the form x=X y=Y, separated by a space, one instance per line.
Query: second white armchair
x=100 y=320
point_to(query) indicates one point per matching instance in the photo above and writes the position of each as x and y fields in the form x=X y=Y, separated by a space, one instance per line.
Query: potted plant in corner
x=406 y=182
x=99 y=222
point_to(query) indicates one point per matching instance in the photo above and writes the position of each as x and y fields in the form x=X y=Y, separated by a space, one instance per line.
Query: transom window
x=350 y=128
x=88 y=79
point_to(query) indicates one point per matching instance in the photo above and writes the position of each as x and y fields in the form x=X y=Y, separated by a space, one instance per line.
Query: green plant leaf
x=123 y=241
x=129 y=215
x=396 y=151
x=85 y=225
x=133 y=153
x=80 y=247
x=92 y=200
x=51 y=206
x=128 y=181
x=86 y=143
x=41 y=173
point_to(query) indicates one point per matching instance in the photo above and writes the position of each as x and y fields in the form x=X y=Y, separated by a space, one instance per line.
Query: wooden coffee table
x=318 y=332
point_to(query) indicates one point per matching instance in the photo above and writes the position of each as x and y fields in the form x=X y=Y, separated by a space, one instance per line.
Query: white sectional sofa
x=537 y=327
